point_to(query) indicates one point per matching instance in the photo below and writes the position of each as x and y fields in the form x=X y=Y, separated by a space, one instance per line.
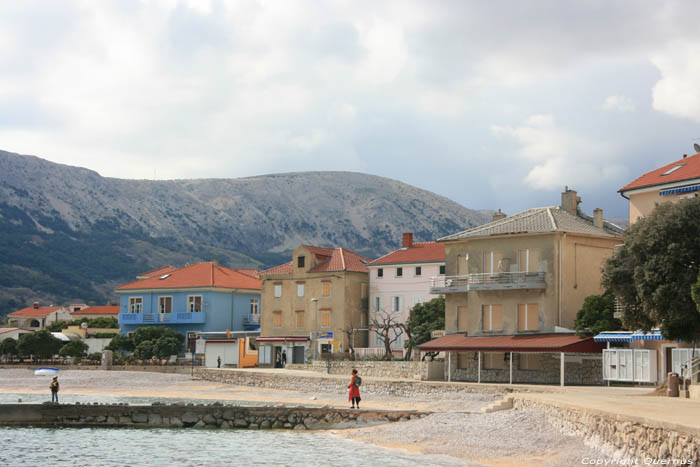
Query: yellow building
x=670 y=183
x=525 y=275
x=314 y=304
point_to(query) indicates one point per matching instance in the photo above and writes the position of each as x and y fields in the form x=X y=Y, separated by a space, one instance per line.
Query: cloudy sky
x=492 y=104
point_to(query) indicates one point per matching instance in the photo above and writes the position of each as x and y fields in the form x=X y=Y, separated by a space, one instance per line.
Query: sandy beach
x=457 y=429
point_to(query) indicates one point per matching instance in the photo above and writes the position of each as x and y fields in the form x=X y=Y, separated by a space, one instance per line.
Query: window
x=529 y=361
x=135 y=304
x=300 y=318
x=325 y=318
x=494 y=262
x=277 y=318
x=377 y=304
x=326 y=289
x=491 y=317
x=528 y=260
x=528 y=317
x=194 y=303
x=300 y=261
x=165 y=304
x=278 y=290
x=418 y=271
x=300 y=290
x=494 y=361
x=396 y=304
x=673 y=169
x=254 y=306
x=442 y=269
x=399 y=272
x=380 y=272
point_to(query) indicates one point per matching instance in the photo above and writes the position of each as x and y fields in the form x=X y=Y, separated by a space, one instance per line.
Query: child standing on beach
x=54 y=389
x=354 y=387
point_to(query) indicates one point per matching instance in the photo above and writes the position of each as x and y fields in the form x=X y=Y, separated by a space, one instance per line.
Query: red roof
x=31 y=312
x=519 y=343
x=208 y=274
x=286 y=268
x=328 y=260
x=98 y=310
x=421 y=252
x=689 y=169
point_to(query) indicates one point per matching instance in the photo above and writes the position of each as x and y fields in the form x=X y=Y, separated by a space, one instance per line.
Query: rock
x=139 y=418
x=277 y=424
x=313 y=398
x=225 y=425
x=189 y=417
x=124 y=420
x=155 y=419
x=200 y=424
x=209 y=419
x=176 y=422
x=265 y=424
x=287 y=425
x=228 y=414
x=300 y=426
x=100 y=419
x=253 y=426
x=240 y=423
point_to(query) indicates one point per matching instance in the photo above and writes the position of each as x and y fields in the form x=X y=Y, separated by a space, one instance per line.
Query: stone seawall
x=386 y=369
x=630 y=440
x=333 y=384
x=211 y=416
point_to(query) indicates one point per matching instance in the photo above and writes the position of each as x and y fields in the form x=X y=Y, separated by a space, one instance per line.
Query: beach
x=456 y=429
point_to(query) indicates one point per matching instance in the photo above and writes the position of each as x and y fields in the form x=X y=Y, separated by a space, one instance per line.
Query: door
x=298 y=354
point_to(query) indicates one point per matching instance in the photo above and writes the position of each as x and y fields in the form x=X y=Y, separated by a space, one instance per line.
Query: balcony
x=498 y=281
x=178 y=317
x=252 y=320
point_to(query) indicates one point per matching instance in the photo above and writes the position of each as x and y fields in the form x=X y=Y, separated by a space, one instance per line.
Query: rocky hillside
x=68 y=233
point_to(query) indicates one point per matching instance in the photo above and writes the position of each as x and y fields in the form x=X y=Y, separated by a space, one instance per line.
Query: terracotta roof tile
x=98 y=310
x=689 y=170
x=517 y=343
x=208 y=274
x=31 y=312
x=343 y=260
x=286 y=268
x=420 y=252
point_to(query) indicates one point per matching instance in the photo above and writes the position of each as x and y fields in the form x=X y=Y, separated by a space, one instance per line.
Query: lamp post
x=315 y=333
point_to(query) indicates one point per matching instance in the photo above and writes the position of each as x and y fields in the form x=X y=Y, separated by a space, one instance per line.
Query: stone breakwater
x=628 y=440
x=213 y=416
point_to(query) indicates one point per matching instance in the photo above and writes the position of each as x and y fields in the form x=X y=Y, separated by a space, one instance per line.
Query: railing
x=156 y=318
x=378 y=352
x=496 y=281
x=252 y=320
x=690 y=370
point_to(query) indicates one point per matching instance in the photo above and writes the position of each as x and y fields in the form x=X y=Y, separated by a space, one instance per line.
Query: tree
x=695 y=293
x=422 y=321
x=597 y=314
x=388 y=329
x=39 y=344
x=121 y=343
x=166 y=346
x=75 y=349
x=653 y=271
x=8 y=347
x=144 y=351
x=153 y=333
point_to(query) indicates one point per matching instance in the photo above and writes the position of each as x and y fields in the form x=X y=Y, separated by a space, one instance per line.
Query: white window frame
x=190 y=303
x=377 y=304
x=132 y=305
x=161 y=298
x=300 y=290
x=254 y=306
x=278 y=290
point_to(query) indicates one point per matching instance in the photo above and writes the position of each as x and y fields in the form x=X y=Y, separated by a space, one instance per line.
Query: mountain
x=67 y=233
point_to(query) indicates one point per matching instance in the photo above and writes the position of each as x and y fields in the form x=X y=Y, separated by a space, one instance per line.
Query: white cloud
x=558 y=157
x=677 y=92
x=618 y=103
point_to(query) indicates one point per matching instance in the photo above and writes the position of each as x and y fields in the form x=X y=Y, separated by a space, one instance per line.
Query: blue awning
x=685 y=189
x=614 y=336
x=654 y=335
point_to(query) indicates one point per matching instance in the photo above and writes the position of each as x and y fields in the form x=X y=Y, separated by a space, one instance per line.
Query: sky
x=497 y=104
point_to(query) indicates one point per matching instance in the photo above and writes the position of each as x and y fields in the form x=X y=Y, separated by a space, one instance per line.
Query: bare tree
x=409 y=348
x=385 y=326
x=350 y=332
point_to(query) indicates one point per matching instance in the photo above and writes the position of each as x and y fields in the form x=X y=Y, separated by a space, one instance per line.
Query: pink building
x=400 y=280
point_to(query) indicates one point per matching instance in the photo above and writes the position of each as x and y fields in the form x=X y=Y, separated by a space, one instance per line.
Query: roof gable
x=328 y=260
x=688 y=168
x=31 y=312
x=207 y=274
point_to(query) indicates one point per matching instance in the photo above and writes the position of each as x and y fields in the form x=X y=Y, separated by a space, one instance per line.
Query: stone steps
x=504 y=404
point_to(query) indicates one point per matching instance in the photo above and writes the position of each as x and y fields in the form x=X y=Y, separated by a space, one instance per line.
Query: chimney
x=498 y=215
x=598 y=218
x=407 y=240
x=569 y=201
x=215 y=262
x=36 y=305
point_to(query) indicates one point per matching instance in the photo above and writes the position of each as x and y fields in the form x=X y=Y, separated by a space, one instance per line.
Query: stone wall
x=387 y=369
x=628 y=440
x=580 y=369
x=215 y=415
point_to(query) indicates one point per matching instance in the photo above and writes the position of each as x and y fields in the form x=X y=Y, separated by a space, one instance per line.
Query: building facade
x=400 y=280
x=670 y=183
x=313 y=305
x=203 y=297
x=38 y=317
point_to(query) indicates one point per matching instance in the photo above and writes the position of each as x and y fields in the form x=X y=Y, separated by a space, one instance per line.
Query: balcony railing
x=252 y=320
x=497 y=281
x=177 y=317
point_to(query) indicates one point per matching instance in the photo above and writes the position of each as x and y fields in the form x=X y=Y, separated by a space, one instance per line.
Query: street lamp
x=315 y=333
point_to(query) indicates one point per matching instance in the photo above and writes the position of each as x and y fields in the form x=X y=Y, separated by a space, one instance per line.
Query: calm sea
x=107 y=447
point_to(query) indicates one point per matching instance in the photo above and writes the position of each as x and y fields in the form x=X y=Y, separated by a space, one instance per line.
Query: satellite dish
x=697 y=147
x=83 y=325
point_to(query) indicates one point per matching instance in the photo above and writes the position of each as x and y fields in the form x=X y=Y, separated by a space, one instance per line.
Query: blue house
x=203 y=297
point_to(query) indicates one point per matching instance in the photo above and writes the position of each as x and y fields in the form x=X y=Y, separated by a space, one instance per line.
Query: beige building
x=315 y=304
x=670 y=183
x=525 y=275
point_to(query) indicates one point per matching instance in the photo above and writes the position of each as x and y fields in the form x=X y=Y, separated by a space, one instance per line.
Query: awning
x=283 y=339
x=675 y=191
x=614 y=336
x=559 y=342
x=653 y=335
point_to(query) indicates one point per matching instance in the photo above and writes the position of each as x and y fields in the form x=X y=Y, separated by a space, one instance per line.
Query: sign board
x=325 y=335
x=436 y=334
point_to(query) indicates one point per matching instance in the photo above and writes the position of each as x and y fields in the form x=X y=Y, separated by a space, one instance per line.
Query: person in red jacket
x=354 y=387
